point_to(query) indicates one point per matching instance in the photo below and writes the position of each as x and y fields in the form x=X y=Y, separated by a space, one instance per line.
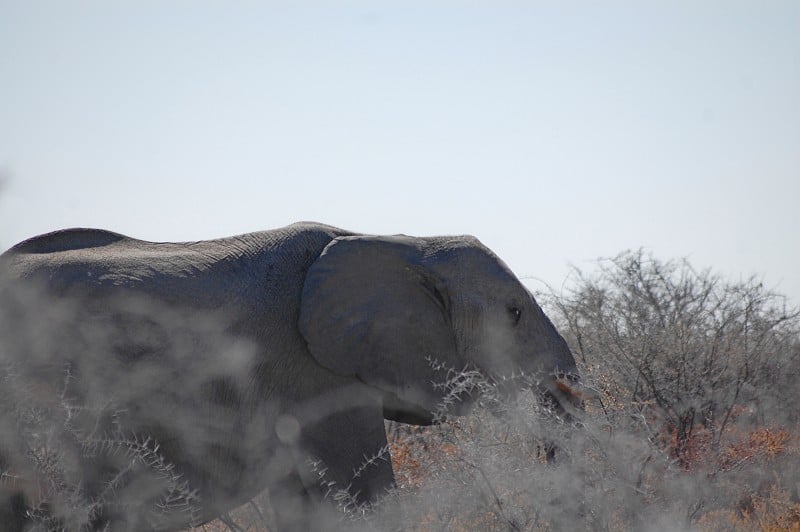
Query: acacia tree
x=683 y=348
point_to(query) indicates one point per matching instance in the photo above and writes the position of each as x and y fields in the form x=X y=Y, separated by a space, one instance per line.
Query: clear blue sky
x=557 y=132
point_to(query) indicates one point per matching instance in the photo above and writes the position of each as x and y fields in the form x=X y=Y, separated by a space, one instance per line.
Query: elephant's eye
x=516 y=313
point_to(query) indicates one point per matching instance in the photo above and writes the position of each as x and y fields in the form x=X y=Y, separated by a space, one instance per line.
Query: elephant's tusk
x=573 y=391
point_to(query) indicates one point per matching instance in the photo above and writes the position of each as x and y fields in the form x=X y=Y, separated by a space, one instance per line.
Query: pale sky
x=557 y=132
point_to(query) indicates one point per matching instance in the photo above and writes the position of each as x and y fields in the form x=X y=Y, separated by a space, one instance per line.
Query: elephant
x=184 y=378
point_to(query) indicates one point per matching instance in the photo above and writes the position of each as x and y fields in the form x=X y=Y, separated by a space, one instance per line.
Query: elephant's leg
x=325 y=440
x=351 y=454
x=12 y=511
x=289 y=501
x=344 y=452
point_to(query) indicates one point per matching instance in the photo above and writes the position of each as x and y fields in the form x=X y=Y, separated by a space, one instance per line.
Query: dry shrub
x=775 y=511
x=763 y=442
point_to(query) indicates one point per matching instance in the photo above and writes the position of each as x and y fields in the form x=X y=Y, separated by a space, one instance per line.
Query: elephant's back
x=77 y=256
x=66 y=240
x=99 y=249
x=246 y=273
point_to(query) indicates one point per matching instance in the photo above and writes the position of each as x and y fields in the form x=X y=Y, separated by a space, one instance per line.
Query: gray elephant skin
x=181 y=379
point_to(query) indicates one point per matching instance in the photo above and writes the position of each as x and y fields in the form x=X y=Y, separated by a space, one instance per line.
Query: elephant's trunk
x=567 y=395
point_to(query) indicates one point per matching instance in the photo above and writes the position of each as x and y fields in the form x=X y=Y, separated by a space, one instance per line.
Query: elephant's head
x=394 y=311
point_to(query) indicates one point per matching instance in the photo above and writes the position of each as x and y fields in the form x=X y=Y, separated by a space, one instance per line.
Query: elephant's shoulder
x=292 y=239
x=67 y=240
x=316 y=228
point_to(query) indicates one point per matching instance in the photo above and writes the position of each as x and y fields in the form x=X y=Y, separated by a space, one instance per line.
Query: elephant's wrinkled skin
x=244 y=356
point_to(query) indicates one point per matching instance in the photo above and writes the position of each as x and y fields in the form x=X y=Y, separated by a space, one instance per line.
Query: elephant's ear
x=371 y=309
